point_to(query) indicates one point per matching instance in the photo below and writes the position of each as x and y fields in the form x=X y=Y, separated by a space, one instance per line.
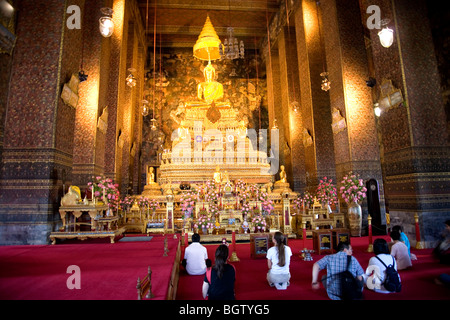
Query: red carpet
x=418 y=282
x=108 y=271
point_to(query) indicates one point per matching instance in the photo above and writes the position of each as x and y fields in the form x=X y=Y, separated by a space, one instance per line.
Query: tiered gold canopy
x=207 y=45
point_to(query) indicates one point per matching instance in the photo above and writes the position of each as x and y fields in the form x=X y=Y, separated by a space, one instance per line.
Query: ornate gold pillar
x=315 y=103
x=273 y=98
x=414 y=134
x=356 y=146
x=293 y=149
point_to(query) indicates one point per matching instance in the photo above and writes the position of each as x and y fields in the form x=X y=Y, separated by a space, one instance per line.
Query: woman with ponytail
x=278 y=260
x=219 y=280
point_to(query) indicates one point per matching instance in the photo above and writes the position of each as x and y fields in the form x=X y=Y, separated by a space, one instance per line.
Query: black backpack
x=351 y=288
x=392 y=280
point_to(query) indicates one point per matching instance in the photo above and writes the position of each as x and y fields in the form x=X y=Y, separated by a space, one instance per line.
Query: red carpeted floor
x=418 y=282
x=108 y=271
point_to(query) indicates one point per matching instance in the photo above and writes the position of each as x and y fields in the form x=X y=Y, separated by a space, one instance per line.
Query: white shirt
x=195 y=255
x=272 y=254
x=387 y=259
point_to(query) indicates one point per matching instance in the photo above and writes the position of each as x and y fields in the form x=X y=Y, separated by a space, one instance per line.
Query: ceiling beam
x=225 y=5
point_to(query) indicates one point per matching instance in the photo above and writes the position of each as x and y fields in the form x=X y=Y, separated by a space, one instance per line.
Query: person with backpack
x=218 y=283
x=381 y=273
x=344 y=278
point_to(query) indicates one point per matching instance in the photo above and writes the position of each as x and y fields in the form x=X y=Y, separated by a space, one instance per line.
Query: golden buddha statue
x=152 y=187
x=282 y=184
x=217 y=175
x=151 y=175
x=209 y=90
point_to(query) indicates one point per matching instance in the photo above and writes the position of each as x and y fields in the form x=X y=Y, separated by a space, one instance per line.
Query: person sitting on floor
x=405 y=240
x=335 y=265
x=196 y=257
x=278 y=260
x=376 y=271
x=218 y=283
x=399 y=251
x=442 y=250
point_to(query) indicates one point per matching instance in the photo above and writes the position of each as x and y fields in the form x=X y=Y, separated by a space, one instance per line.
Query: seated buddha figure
x=209 y=90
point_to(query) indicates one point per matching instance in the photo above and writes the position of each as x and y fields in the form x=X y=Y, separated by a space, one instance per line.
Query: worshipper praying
x=405 y=240
x=278 y=260
x=219 y=280
x=376 y=270
x=196 y=257
x=336 y=264
x=442 y=250
x=399 y=251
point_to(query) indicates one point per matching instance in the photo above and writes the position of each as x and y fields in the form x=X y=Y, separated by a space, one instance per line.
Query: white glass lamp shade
x=386 y=37
x=106 y=26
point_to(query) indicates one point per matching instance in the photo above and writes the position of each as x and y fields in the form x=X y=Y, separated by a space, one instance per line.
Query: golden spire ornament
x=207 y=45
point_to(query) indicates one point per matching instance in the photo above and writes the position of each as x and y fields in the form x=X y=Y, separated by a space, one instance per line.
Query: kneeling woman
x=219 y=280
x=278 y=260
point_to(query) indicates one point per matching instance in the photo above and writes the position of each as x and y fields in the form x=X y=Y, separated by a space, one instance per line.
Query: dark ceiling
x=180 y=22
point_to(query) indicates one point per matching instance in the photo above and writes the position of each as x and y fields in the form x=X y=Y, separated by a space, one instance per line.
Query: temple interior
x=147 y=116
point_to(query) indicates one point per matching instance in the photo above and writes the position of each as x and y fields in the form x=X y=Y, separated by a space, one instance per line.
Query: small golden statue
x=282 y=184
x=151 y=175
x=217 y=175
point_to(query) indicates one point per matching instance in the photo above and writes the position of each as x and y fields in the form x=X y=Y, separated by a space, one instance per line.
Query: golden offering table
x=101 y=226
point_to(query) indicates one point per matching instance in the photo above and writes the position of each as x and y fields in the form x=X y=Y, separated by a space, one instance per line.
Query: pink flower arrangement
x=153 y=204
x=102 y=186
x=259 y=222
x=352 y=188
x=187 y=201
x=204 y=221
x=308 y=199
x=246 y=209
x=298 y=203
x=326 y=191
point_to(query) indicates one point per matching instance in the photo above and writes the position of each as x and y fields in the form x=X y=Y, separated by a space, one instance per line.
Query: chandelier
x=145 y=108
x=106 y=25
x=231 y=48
x=131 y=80
x=326 y=84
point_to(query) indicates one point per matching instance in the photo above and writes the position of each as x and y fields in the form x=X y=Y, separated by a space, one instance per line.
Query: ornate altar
x=94 y=216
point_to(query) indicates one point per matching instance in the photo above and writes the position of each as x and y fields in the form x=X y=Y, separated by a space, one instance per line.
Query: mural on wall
x=175 y=83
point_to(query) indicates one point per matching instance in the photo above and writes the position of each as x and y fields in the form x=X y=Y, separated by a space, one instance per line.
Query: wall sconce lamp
x=377 y=109
x=131 y=80
x=106 y=24
x=386 y=35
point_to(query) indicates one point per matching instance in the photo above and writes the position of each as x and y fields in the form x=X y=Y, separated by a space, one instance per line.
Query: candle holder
x=306 y=254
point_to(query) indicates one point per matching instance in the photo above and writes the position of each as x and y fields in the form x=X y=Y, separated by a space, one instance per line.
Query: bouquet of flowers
x=104 y=188
x=204 y=221
x=259 y=222
x=240 y=185
x=298 y=203
x=126 y=202
x=153 y=205
x=187 y=202
x=352 y=188
x=213 y=209
x=267 y=206
x=326 y=191
x=308 y=199
x=143 y=202
x=246 y=209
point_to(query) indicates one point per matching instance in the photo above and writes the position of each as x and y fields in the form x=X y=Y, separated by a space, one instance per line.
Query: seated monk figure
x=209 y=90
x=151 y=175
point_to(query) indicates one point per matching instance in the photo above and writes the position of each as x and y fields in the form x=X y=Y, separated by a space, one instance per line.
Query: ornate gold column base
x=419 y=245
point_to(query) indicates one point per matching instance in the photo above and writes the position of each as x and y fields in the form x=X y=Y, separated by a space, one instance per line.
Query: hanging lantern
x=386 y=36
x=144 y=108
x=326 y=84
x=131 y=80
x=106 y=24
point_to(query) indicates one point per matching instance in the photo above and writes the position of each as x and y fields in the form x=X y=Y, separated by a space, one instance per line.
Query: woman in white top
x=376 y=271
x=278 y=260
